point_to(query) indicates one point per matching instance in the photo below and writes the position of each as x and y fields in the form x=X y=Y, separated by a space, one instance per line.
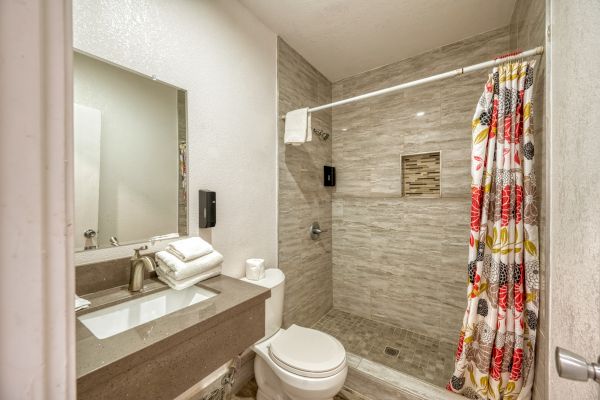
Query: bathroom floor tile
x=248 y=392
x=421 y=356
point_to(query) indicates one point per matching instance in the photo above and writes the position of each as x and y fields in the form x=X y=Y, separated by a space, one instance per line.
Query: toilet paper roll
x=255 y=268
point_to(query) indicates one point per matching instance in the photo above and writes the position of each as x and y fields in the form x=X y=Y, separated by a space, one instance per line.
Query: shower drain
x=391 y=351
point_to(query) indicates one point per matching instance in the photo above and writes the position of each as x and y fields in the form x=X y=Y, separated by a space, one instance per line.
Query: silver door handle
x=572 y=366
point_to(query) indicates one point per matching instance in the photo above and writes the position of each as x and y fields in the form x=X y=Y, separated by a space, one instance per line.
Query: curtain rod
x=449 y=74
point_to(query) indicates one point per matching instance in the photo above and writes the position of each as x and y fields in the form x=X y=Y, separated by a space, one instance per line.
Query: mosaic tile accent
x=421 y=175
x=182 y=192
x=424 y=357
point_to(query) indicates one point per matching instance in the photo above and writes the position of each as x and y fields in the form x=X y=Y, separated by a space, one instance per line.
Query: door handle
x=573 y=366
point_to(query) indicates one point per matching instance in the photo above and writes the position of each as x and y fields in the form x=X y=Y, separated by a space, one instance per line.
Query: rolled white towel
x=189 y=249
x=185 y=283
x=81 y=303
x=177 y=269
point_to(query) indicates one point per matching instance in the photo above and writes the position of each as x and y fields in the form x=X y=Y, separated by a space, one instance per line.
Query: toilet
x=296 y=363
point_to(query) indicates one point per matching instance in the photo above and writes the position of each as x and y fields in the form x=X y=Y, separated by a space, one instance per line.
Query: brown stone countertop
x=138 y=344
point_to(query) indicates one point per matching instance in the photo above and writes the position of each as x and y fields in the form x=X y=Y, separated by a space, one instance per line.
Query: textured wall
x=226 y=60
x=302 y=196
x=527 y=30
x=573 y=175
x=397 y=259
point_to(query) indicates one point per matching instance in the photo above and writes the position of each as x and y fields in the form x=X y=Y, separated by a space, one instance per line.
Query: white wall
x=139 y=150
x=226 y=59
x=574 y=186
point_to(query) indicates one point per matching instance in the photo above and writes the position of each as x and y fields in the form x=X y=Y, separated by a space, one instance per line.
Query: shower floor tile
x=421 y=356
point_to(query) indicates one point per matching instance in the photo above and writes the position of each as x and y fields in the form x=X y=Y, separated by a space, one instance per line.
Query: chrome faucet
x=138 y=265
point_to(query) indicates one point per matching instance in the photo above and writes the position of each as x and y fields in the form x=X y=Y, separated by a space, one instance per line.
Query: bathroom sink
x=124 y=316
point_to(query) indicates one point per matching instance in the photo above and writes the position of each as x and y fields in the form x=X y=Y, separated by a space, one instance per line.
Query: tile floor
x=420 y=356
x=248 y=392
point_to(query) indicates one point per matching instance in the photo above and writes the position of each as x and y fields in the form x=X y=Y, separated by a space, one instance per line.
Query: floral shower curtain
x=495 y=354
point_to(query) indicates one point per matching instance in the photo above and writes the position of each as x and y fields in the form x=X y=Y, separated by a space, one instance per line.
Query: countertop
x=140 y=343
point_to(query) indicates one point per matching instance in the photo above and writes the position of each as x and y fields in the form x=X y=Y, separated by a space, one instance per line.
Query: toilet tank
x=274 y=279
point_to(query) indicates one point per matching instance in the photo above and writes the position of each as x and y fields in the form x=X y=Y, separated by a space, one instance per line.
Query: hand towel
x=190 y=248
x=178 y=269
x=185 y=283
x=297 y=127
x=81 y=303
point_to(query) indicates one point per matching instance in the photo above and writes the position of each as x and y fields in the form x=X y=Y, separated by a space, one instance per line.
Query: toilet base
x=271 y=387
x=260 y=395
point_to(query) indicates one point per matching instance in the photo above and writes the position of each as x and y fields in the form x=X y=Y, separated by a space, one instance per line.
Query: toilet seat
x=307 y=352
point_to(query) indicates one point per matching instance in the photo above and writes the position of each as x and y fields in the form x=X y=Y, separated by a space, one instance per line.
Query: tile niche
x=421 y=175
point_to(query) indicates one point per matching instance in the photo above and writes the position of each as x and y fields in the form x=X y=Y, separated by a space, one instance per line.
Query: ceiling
x=345 y=37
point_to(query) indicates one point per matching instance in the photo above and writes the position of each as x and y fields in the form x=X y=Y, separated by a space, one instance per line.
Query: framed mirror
x=130 y=145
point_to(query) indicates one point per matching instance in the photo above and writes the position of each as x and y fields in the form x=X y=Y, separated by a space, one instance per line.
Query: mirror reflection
x=130 y=149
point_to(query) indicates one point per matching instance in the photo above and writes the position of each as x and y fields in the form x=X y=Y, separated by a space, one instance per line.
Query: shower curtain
x=495 y=355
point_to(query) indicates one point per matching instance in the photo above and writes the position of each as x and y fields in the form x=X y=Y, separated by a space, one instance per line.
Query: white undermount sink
x=121 y=317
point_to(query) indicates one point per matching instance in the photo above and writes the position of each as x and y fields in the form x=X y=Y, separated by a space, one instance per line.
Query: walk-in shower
x=400 y=211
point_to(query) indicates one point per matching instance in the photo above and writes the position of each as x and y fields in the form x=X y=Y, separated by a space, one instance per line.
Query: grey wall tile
x=302 y=196
x=397 y=259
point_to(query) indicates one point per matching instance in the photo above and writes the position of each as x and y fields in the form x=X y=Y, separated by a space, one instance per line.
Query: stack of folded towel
x=187 y=262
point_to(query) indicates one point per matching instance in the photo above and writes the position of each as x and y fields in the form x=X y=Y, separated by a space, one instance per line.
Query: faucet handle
x=137 y=251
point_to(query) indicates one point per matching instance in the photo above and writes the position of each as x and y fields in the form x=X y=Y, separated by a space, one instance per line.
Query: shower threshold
x=378 y=381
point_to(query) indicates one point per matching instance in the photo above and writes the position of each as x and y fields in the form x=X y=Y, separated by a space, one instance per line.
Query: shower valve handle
x=315 y=230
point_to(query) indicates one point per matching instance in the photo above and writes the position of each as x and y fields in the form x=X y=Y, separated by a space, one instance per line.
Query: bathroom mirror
x=130 y=155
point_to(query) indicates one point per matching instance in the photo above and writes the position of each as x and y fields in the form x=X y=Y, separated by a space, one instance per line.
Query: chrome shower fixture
x=321 y=134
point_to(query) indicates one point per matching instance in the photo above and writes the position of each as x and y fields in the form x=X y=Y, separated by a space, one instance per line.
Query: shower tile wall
x=527 y=30
x=302 y=196
x=402 y=260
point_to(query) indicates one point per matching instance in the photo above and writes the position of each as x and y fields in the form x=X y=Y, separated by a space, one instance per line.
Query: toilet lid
x=308 y=352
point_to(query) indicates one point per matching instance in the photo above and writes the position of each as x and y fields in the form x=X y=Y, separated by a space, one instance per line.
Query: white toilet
x=295 y=363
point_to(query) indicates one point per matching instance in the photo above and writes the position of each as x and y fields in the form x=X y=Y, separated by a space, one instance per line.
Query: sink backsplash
x=90 y=278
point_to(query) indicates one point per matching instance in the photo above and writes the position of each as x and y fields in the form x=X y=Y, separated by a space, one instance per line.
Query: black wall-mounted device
x=208 y=208
x=328 y=176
